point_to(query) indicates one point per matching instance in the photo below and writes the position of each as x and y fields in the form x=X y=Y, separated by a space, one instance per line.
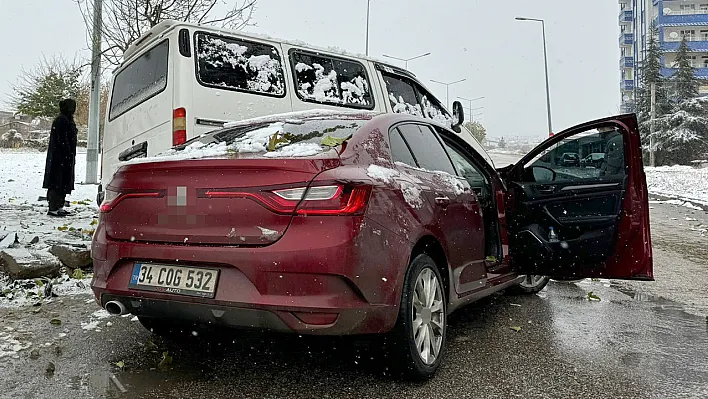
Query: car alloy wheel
x=428 y=315
x=532 y=281
x=418 y=339
x=531 y=284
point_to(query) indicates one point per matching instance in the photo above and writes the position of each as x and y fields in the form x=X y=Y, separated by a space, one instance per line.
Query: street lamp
x=368 y=8
x=447 y=89
x=545 y=59
x=472 y=100
x=407 y=59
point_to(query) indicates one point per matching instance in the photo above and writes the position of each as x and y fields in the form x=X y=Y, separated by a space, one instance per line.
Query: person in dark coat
x=61 y=158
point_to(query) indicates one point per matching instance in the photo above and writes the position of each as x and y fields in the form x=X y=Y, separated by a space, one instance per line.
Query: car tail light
x=179 y=126
x=113 y=198
x=319 y=200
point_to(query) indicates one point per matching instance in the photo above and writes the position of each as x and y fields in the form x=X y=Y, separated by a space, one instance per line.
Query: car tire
x=532 y=284
x=415 y=356
x=165 y=328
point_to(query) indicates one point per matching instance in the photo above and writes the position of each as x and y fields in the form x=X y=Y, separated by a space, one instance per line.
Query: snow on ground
x=684 y=182
x=22 y=174
x=21 y=177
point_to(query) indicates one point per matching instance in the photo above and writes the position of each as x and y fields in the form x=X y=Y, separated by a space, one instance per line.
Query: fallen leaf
x=78 y=274
x=330 y=141
x=274 y=140
x=166 y=360
x=592 y=296
x=516 y=328
x=55 y=322
x=121 y=365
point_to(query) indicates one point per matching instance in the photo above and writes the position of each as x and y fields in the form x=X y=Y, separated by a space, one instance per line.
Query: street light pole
x=368 y=8
x=545 y=62
x=472 y=100
x=447 y=89
x=407 y=59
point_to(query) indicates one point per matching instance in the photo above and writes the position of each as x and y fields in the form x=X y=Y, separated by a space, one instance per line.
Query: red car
x=361 y=224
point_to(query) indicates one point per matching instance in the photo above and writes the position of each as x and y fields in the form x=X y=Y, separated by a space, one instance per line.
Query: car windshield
x=288 y=136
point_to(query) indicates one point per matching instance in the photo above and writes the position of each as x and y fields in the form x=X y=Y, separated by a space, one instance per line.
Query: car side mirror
x=458 y=116
x=542 y=174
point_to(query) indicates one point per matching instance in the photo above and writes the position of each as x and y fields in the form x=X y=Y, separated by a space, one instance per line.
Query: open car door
x=572 y=220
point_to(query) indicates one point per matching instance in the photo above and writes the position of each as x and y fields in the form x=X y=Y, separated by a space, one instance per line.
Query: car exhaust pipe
x=115 y=308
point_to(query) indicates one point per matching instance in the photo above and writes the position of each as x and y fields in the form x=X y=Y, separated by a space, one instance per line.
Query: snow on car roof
x=299 y=115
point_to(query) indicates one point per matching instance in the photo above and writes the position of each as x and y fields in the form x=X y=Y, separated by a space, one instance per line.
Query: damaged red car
x=351 y=223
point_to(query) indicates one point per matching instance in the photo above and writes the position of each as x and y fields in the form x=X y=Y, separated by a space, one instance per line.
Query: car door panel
x=458 y=219
x=599 y=216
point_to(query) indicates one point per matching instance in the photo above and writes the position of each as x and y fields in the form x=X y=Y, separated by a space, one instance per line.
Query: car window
x=399 y=149
x=465 y=168
x=402 y=95
x=432 y=109
x=140 y=80
x=426 y=148
x=329 y=80
x=564 y=158
x=230 y=63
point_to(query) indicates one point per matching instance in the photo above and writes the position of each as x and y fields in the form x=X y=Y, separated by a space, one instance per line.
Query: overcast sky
x=501 y=58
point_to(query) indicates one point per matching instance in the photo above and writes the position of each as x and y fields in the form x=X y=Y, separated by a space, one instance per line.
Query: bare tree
x=124 y=21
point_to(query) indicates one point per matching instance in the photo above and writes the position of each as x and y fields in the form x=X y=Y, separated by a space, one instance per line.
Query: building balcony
x=701 y=73
x=684 y=18
x=626 y=39
x=627 y=62
x=626 y=17
x=698 y=45
x=627 y=84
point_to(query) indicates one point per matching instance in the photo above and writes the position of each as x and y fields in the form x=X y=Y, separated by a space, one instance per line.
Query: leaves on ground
x=78 y=274
x=166 y=360
x=516 y=328
x=120 y=365
x=593 y=297
x=55 y=322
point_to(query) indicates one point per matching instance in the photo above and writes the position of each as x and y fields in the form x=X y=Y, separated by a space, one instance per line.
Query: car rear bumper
x=332 y=282
x=345 y=321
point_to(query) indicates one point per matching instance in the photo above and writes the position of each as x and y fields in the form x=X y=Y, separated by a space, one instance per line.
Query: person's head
x=67 y=106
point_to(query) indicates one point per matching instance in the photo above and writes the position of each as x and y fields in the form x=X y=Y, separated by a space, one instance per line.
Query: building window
x=689 y=34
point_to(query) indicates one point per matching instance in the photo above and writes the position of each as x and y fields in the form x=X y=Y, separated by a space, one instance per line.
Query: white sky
x=501 y=58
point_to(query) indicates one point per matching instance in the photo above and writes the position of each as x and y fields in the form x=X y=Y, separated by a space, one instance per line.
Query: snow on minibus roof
x=166 y=26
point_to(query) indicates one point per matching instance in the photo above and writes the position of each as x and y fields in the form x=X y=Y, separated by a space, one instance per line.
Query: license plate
x=181 y=280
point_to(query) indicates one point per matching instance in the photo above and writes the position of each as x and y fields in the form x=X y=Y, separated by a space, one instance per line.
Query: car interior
x=565 y=214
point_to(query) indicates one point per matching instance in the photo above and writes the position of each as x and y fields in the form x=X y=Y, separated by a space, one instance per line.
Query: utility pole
x=95 y=100
x=652 y=160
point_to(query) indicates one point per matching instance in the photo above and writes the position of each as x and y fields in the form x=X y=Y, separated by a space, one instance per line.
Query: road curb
x=668 y=197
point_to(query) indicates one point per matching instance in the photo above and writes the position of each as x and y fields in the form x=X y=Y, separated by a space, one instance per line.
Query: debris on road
x=76 y=256
x=23 y=263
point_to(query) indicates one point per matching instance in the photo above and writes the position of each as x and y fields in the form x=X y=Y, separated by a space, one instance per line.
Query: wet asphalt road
x=633 y=343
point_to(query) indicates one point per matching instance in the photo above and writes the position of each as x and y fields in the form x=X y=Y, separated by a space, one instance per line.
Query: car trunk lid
x=226 y=201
